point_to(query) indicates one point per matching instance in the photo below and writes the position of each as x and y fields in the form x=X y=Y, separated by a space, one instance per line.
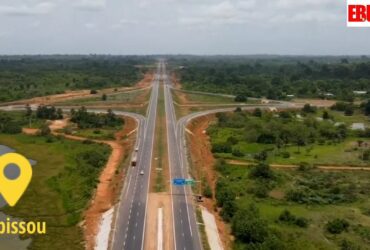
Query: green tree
x=367 y=108
x=248 y=227
x=240 y=98
x=257 y=112
x=45 y=130
x=262 y=171
x=325 y=115
x=28 y=111
x=337 y=226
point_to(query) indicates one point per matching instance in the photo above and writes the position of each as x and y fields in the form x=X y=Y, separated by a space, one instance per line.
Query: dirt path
x=315 y=102
x=322 y=167
x=109 y=182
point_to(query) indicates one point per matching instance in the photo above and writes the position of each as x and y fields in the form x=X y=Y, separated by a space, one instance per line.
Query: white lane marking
x=160 y=229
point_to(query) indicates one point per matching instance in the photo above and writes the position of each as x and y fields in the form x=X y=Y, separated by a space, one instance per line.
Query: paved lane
x=184 y=219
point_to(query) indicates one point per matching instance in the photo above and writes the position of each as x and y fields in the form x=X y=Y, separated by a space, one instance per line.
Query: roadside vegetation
x=30 y=76
x=277 y=77
x=294 y=209
x=63 y=182
x=300 y=208
x=308 y=136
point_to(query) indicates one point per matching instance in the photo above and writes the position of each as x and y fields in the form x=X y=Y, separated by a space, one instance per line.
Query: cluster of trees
x=30 y=76
x=247 y=225
x=277 y=77
x=47 y=112
x=279 y=131
x=349 y=108
x=10 y=124
x=85 y=119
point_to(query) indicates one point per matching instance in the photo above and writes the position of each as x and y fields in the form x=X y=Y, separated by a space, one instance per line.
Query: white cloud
x=251 y=11
x=91 y=5
x=223 y=10
x=90 y=26
x=26 y=10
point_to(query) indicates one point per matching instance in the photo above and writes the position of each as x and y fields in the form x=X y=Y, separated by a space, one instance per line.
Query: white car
x=142 y=172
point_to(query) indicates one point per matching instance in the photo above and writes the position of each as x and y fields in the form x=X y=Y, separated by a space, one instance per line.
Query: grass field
x=125 y=97
x=97 y=134
x=201 y=98
x=344 y=153
x=61 y=187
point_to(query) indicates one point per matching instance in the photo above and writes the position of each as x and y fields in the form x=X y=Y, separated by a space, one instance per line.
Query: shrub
x=45 y=130
x=301 y=222
x=262 y=156
x=337 y=226
x=238 y=110
x=348 y=245
x=285 y=154
x=257 y=112
x=207 y=192
x=289 y=218
x=240 y=98
x=262 y=171
x=93 y=92
x=221 y=148
x=237 y=152
x=307 y=108
x=12 y=128
x=261 y=190
x=286 y=216
x=349 y=111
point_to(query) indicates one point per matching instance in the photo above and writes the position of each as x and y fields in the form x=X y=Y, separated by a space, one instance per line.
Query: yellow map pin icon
x=12 y=190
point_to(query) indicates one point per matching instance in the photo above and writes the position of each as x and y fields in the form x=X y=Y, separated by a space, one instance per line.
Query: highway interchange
x=128 y=231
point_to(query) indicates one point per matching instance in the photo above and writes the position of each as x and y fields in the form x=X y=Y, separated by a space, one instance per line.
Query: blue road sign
x=178 y=182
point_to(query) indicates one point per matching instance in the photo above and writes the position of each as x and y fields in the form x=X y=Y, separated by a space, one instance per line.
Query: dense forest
x=30 y=76
x=277 y=77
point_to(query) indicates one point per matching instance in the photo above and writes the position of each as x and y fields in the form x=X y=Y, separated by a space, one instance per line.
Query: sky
x=304 y=27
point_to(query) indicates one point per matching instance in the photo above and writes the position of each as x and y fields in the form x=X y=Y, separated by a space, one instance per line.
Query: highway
x=129 y=229
x=186 y=235
x=130 y=213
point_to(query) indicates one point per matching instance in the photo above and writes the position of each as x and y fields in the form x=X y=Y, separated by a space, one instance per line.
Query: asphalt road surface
x=186 y=235
x=129 y=230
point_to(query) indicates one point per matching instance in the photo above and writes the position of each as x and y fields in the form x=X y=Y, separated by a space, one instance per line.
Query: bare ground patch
x=155 y=201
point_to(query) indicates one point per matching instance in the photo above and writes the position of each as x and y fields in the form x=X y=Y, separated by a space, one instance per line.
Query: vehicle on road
x=142 y=172
x=134 y=160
